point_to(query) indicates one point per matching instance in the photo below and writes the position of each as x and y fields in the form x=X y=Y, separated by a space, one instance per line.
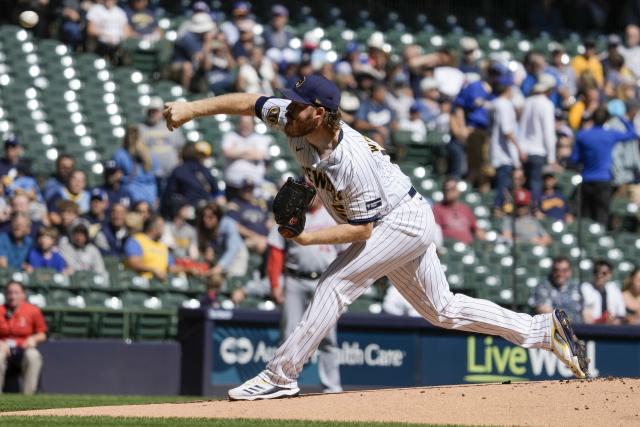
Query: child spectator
x=78 y=252
x=553 y=204
x=527 y=227
x=45 y=254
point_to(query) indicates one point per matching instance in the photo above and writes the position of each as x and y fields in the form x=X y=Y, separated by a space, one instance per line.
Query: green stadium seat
x=112 y=324
x=74 y=323
x=151 y=326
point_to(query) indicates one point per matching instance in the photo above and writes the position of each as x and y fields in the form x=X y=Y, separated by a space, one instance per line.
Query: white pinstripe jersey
x=356 y=182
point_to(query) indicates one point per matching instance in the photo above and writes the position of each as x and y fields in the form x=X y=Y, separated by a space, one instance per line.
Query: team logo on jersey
x=372 y=204
x=299 y=82
x=272 y=115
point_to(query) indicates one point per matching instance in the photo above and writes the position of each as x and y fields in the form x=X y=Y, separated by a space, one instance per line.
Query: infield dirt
x=598 y=402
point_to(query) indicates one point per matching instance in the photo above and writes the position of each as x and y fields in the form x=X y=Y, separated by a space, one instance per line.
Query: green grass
x=180 y=422
x=18 y=402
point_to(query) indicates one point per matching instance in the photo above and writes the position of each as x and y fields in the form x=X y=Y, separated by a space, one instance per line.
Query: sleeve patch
x=273 y=115
x=372 y=204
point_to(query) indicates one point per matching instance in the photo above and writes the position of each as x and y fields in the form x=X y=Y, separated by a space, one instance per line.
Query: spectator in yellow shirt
x=588 y=61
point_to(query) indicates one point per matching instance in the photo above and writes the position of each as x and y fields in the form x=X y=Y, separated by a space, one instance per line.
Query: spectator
x=568 y=80
x=192 y=52
x=97 y=214
x=256 y=73
x=593 y=149
x=553 y=204
x=142 y=20
x=559 y=290
x=147 y=255
x=163 y=144
x=113 y=185
x=211 y=297
x=67 y=213
x=65 y=165
x=143 y=209
x=375 y=117
x=631 y=295
x=588 y=102
x=12 y=158
x=22 y=328
x=527 y=227
x=139 y=168
x=246 y=153
x=278 y=34
x=470 y=54
x=77 y=250
x=192 y=182
x=113 y=233
x=504 y=151
x=25 y=184
x=240 y=12
x=252 y=218
x=16 y=244
x=468 y=150
x=454 y=217
x=75 y=191
x=625 y=167
x=617 y=73
x=108 y=24
x=20 y=204
x=631 y=49
x=429 y=101
x=613 y=48
x=414 y=124
x=588 y=62
x=72 y=25
x=536 y=134
x=45 y=254
x=603 y=301
x=243 y=47
x=219 y=242
x=180 y=236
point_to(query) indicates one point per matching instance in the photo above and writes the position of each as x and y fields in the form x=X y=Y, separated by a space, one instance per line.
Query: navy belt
x=412 y=191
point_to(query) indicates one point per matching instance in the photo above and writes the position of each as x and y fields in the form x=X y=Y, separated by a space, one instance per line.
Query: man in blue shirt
x=375 y=117
x=593 y=149
x=553 y=204
x=15 y=245
x=469 y=127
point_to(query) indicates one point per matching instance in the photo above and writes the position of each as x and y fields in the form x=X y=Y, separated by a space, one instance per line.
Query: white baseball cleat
x=567 y=347
x=259 y=389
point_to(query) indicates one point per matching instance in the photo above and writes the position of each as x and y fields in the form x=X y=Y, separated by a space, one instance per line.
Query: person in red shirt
x=22 y=328
x=454 y=217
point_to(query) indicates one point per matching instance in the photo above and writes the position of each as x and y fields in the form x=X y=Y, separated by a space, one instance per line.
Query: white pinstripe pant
x=400 y=247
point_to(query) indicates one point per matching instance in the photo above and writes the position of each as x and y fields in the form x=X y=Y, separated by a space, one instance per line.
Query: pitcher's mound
x=605 y=401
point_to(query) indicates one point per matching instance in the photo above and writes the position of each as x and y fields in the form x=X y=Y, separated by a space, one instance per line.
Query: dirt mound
x=592 y=402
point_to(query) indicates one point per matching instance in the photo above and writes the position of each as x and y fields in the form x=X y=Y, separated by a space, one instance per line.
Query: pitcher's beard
x=296 y=129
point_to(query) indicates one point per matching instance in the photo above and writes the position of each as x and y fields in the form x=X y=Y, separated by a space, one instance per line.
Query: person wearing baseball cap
x=112 y=186
x=164 y=145
x=277 y=34
x=98 y=204
x=372 y=203
x=553 y=204
x=12 y=153
x=192 y=49
x=528 y=228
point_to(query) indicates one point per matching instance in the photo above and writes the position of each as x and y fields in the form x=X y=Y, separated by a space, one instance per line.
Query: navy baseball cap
x=98 y=194
x=314 y=90
x=11 y=141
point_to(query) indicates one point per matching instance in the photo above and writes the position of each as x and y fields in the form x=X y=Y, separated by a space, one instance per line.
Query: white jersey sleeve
x=272 y=111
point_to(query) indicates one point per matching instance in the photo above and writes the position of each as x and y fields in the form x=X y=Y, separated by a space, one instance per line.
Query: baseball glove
x=290 y=206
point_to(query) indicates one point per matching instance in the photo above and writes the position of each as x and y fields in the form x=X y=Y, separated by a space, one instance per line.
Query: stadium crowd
x=514 y=126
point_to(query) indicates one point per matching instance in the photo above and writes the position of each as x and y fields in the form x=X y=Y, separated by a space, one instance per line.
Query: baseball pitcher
x=389 y=228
